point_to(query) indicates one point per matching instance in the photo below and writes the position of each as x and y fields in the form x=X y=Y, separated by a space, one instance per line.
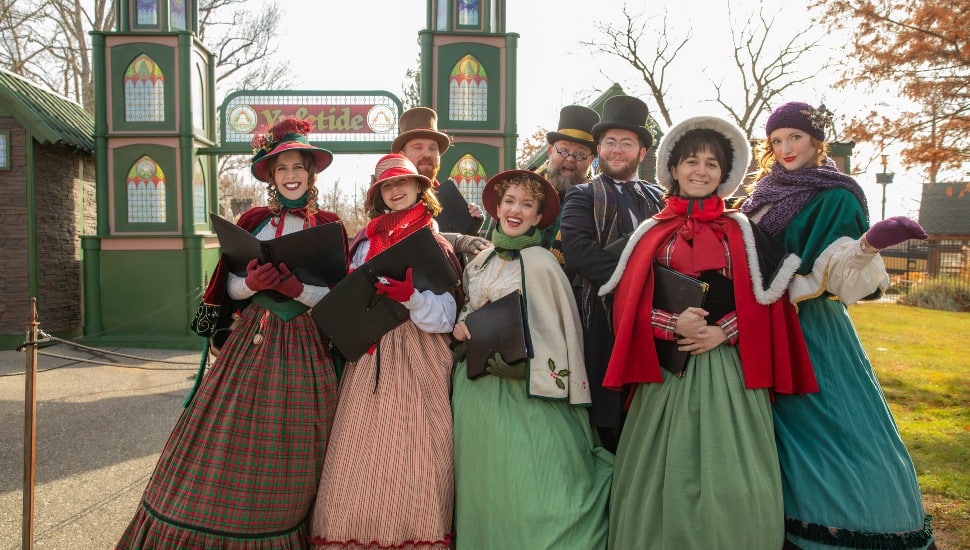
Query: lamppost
x=884 y=179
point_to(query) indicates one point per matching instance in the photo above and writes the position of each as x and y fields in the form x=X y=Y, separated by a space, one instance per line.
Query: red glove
x=396 y=290
x=261 y=276
x=289 y=285
x=894 y=231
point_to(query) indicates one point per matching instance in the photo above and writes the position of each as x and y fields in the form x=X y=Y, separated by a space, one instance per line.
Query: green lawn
x=922 y=362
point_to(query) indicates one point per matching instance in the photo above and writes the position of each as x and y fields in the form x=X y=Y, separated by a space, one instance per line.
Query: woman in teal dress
x=529 y=471
x=696 y=466
x=848 y=480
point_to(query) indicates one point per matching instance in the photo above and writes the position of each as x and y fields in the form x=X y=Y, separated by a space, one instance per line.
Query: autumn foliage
x=923 y=46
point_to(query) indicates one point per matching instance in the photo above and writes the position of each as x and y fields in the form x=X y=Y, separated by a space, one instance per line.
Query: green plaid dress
x=240 y=469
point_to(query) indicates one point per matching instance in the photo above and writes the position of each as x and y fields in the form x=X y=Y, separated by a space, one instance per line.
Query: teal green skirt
x=529 y=473
x=697 y=465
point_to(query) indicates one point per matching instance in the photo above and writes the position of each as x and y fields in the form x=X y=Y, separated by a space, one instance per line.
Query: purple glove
x=261 y=277
x=894 y=231
x=289 y=285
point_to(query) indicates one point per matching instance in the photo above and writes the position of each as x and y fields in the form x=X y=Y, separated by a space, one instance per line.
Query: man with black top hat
x=594 y=216
x=422 y=143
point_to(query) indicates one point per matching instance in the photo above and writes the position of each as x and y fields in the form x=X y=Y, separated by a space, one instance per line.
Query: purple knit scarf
x=788 y=191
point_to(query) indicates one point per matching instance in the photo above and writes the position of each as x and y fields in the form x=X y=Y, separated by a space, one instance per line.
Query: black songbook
x=316 y=256
x=498 y=327
x=674 y=292
x=355 y=317
x=454 y=216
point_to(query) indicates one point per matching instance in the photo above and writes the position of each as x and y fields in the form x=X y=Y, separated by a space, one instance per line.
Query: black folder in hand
x=317 y=255
x=454 y=216
x=674 y=292
x=498 y=327
x=355 y=317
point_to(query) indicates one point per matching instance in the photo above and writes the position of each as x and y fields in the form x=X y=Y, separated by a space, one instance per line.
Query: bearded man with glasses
x=596 y=215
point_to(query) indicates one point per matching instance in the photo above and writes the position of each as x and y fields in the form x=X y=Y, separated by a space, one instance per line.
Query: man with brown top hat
x=422 y=143
x=570 y=156
x=594 y=216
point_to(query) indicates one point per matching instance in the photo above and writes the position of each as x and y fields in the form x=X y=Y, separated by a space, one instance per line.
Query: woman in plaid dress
x=388 y=478
x=240 y=469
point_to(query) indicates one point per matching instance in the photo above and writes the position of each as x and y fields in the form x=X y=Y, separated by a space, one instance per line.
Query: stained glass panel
x=144 y=91
x=198 y=97
x=177 y=17
x=469 y=175
x=147 y=13
x=146 y=192
x=468 y=11
x=198 y=193
x=468 y=90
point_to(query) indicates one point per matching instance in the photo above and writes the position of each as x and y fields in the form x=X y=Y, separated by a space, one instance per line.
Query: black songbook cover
x=498 y=327
x=674 y=292
x=454 y=216
x=355 y=317
x=317 y=255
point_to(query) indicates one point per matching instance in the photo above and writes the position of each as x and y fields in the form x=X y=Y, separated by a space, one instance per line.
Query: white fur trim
x=739 y=142
x=785 y=272
x=625 y=256
x=763 y=296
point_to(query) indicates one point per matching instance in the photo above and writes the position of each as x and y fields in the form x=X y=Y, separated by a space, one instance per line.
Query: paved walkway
x=100 y=430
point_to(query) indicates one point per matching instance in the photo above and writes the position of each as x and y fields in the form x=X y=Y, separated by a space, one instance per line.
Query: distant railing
x=916 y=262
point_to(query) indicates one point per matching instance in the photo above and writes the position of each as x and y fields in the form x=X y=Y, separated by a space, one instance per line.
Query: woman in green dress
x=529 y=470
x=696 y=465
x=848 y=479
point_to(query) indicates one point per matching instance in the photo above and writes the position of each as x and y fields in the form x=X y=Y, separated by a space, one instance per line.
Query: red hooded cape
x=770 y=341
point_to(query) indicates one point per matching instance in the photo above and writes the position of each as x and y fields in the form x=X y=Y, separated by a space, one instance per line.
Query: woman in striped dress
x=241 y=467
x=388 y=478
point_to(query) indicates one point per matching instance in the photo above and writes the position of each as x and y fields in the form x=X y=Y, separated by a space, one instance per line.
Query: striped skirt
x=388 y=478
x=241 y=467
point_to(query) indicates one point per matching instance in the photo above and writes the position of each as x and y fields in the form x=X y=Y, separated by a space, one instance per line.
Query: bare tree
x=244 y=44
x=625 y=42
x=764 y=71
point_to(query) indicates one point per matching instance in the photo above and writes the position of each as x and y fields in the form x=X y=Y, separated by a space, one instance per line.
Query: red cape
x=770 y=341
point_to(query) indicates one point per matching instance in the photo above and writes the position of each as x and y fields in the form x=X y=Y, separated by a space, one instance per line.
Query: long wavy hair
x=426 y=195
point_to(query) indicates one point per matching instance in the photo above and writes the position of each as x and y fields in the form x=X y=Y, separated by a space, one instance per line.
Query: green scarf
x=508 y=248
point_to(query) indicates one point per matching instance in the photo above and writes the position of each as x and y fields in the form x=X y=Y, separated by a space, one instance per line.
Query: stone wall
x=65 y=209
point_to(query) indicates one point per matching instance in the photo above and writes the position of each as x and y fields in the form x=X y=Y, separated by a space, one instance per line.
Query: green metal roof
x=50 y=118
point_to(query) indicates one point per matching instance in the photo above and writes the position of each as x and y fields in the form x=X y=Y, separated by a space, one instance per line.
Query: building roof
x=49 y=117
x=944 y=208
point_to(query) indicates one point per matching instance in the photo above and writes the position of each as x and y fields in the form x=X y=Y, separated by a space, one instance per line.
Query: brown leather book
x=498 y=327
x=674 y=292
x=355 y=317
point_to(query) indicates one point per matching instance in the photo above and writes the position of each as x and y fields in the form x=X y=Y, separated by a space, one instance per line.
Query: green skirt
x=697 y=465
x=529 y=473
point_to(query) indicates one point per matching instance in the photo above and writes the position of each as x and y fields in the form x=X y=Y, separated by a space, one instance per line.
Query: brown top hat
x=575 y=124
x=420 y=122
x=550 y=204
x=626 y=113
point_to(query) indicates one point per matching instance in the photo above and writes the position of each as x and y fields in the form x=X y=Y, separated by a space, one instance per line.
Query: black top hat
x=576 y=125
x=626 y=113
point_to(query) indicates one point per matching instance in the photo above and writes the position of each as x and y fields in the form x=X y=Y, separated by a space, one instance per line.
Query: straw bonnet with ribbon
x=288 y=134
x=395 y=167
x=550 y=204
x=420 y=122
x=575 y=124
x=626 y=113
x=739 y=151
